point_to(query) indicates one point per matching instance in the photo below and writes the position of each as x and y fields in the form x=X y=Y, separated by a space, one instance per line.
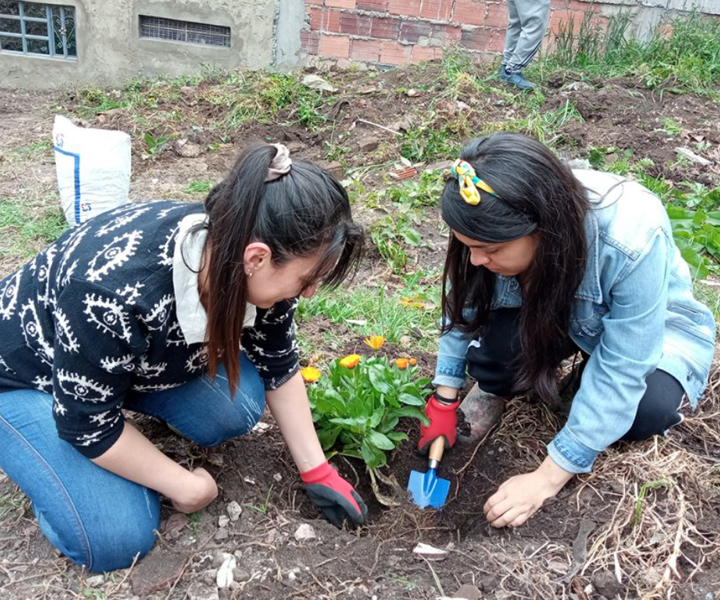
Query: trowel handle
x=436 y=452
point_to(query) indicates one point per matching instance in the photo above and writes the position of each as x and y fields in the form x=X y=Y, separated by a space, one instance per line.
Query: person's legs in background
x=533 y=16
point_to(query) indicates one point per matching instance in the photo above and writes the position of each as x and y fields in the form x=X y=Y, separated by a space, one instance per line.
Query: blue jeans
x=94 y=517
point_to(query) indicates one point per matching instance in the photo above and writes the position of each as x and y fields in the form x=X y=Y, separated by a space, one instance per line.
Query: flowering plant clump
x=357 y=407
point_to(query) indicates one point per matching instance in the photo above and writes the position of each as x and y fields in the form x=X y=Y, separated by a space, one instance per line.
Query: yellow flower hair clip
x=469 y=182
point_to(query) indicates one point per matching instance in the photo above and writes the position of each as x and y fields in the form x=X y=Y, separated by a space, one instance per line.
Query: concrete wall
x=393 y=32
x=111 y=51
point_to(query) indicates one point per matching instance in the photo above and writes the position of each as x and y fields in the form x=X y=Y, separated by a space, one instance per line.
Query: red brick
x=335 y=46
x=476 y=39
x=557 y=17
x=408 y=8
x=310 y=41
x=315 y=2
x=385 y=28
x=447 y=33
x=436 y=9
x=340 y=3
x=375 y=5
x=316 y=18
x=420 y=54
x=559 y=4
x=496 y=15
x=584 y=7
x=365 y=50
x=469 y=12
x=392 y=53
x=412 y=32
x=497 y=41
x=331 y=21
x=353 y=24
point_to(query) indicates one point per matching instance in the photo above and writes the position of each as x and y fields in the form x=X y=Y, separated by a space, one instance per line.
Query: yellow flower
x=350 y=361
x=413 y=362
x=402 y=363
x=310 y=374
x=375 y=341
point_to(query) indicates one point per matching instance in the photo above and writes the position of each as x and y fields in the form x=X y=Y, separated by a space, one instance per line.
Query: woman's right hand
x=200 y=492
x=443 y=422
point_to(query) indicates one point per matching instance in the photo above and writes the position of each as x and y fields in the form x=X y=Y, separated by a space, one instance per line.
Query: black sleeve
x=96 y=348
x=270 y=344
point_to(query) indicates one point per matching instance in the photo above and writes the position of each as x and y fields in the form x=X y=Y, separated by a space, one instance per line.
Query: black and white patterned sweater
x=93 y=318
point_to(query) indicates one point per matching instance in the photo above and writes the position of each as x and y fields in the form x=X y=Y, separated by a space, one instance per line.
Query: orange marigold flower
x=350 y=361
x=413 y=361
x=310 y=374
x=375 y=341
x=402 y=363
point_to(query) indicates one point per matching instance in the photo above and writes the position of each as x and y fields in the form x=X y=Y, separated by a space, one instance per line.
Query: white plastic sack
x=93 y=169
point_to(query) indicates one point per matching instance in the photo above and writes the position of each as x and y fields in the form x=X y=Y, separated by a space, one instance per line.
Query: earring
x=249 y=273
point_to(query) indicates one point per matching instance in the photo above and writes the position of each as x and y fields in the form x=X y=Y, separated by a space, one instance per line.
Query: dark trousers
x=491 y=364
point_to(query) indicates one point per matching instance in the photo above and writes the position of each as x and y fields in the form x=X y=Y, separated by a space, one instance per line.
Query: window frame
x=52 y=33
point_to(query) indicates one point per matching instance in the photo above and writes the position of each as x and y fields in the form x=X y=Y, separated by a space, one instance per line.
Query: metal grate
x=37 y=29
x=184 y=31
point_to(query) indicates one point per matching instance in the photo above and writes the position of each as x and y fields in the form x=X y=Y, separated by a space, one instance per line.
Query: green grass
x=682 y=54
x=26 y=229
x=411 y=311
x=199 y=187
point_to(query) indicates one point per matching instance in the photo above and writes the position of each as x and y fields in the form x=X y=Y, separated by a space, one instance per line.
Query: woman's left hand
x=520 y=497
x=334 y=496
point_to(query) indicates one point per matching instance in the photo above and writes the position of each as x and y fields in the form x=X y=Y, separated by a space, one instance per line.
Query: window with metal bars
x=184 y=31
x=37 y=29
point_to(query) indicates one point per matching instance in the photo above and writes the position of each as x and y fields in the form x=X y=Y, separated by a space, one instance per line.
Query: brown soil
x=534 y=561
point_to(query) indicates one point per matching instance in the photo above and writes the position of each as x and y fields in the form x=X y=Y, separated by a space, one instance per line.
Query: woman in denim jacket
x=544 y=262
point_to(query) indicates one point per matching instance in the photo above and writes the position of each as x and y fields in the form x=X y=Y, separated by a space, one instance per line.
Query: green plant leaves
x=357 y=410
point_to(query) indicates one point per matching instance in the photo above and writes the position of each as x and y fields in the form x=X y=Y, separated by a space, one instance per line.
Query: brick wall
x=394 y=32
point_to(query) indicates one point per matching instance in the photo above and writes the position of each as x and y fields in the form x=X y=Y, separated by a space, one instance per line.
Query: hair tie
x=280 y=165
x=469 y=182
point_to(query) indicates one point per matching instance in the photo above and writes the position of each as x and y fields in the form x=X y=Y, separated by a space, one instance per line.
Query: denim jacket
x=634 y=312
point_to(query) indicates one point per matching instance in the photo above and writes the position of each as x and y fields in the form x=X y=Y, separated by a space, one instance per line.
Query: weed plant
x=681 y=53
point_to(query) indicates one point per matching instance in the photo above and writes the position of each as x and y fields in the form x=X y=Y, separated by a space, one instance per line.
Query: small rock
x=277 y=477
x=292 y=576
x=158 y=570
x=335 y=169
x=240 y=574
x=174 y=525
x=468 y=592
x=95 y=581
x=577 y=86
x=225 y=573
x=200 y=591
x=412 y=93
x=429 y=552
x=691 y=156
x=489 y=584
x=343 y=64
x=579 y=163
x=369 y=144
x=304 y=532
x=316 y=82
x=234 y=510
x=221 y=535
x=606 y=584
x=223 y=521
x=186 y=148
x=218 y=559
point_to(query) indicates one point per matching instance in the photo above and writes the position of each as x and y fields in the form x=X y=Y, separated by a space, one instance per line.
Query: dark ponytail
x=295 y=215
x=536 y=193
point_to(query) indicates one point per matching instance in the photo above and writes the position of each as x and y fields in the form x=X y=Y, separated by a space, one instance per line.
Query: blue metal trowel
x=427 y=489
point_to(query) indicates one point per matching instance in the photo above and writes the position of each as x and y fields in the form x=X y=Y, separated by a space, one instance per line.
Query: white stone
x=430 y=552
x=225 y=573
x=95 y=581
x=305 y=532
x=223 y=521
x=318 y=83
x=234 y=510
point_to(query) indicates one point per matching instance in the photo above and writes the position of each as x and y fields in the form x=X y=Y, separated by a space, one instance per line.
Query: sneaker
x=482 y=412
x=516 y=79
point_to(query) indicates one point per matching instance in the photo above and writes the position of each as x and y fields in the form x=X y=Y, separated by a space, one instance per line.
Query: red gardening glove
x=443 y=422
x=335 y=497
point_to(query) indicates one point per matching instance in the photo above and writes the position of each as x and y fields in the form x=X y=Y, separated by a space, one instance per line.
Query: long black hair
x=536 y=194
x=297 y=215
